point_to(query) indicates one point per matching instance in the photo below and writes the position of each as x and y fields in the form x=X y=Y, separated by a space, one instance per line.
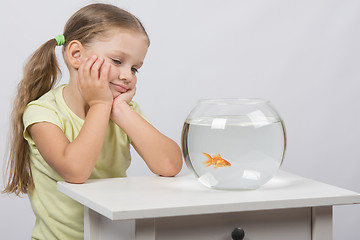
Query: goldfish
x=217 y=161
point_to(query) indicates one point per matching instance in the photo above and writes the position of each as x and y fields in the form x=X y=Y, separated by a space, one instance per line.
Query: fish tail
x=208 y=155
x=209 y=161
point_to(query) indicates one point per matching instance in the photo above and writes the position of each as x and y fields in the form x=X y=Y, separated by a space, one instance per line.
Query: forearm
x=83 y=152
x=161 y=154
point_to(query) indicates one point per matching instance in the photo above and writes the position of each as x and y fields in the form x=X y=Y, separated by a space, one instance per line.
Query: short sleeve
x=137 y=109
x=39 y=112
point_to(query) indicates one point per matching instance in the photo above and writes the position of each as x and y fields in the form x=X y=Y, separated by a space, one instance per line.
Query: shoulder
x=48 y=100
x=46 y=108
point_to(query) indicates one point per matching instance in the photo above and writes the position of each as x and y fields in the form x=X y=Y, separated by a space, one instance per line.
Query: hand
x=127 y=96
x=93 y=81
x=122 y=98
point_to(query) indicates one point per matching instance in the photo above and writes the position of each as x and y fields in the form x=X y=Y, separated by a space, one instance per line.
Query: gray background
x=303 y=56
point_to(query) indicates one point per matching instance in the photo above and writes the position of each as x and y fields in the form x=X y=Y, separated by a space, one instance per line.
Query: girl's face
x=125 y=50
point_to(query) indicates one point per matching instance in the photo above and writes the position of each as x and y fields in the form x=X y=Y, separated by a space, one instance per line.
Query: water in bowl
x=253 y=149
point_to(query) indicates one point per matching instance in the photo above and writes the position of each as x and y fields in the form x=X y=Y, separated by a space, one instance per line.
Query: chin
x=115 y=94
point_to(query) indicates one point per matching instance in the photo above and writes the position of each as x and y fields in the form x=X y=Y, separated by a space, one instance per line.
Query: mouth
x=119 y=87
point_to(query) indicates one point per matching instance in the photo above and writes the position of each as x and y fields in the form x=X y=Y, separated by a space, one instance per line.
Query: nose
x=125 y=75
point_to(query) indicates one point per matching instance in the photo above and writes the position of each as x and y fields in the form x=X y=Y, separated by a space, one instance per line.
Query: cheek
x=113 y=74
x=134 y=81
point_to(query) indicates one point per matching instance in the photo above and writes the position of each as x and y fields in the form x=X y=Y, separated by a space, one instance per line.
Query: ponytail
x=40 y=76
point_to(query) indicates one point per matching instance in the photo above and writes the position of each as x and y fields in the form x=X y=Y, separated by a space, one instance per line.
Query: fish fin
x=208 y=155
x=209 y=161
x=218 y=156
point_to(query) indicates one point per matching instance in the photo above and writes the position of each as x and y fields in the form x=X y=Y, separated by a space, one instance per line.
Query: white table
x=152 y=207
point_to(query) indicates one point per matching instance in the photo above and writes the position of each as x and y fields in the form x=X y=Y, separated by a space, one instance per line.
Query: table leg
x=91 y=224
x=321 y=223
x=99 y=227
x=145 y=229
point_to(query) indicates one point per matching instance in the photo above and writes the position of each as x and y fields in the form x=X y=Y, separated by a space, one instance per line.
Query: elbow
x=77 y=175
x=75 y=167
x=172 y=168
x=75 y=180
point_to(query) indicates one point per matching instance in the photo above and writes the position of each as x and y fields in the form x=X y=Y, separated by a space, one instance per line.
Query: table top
x=154 y=196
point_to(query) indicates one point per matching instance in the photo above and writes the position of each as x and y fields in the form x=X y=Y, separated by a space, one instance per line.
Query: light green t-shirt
x=57 y=215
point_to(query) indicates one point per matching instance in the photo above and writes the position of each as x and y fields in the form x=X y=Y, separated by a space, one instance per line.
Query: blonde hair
x=41 y=74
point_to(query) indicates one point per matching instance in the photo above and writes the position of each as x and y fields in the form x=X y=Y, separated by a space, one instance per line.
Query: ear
x=74 y=52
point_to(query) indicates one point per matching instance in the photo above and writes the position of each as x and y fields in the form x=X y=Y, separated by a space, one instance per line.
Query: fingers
x=89 y=69
x=93 y=77
x=92 y=69
x=127 y=97
x=84 y=71
x=132 y=92
x=95 y=68
x=104 y=72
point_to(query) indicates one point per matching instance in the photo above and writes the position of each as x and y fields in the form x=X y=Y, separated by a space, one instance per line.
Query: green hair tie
x=60 y=39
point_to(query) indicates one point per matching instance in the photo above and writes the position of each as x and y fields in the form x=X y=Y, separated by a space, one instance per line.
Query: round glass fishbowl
x=233 y=144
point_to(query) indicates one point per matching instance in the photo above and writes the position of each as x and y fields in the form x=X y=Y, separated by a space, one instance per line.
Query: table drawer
x=281 y=224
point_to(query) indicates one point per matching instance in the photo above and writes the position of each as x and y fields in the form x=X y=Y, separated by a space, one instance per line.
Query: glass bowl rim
x=224 y=101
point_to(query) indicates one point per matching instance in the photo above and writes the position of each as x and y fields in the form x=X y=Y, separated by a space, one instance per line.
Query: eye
x=115 y=61
x=134 y=70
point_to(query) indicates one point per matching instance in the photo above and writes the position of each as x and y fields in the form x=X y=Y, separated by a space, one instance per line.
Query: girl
x=83 y=129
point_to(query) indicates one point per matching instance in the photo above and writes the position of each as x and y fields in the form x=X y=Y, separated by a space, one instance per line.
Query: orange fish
x=217 y=161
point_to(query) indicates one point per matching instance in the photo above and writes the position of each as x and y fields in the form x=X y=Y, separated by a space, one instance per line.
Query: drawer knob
x=238 y=234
